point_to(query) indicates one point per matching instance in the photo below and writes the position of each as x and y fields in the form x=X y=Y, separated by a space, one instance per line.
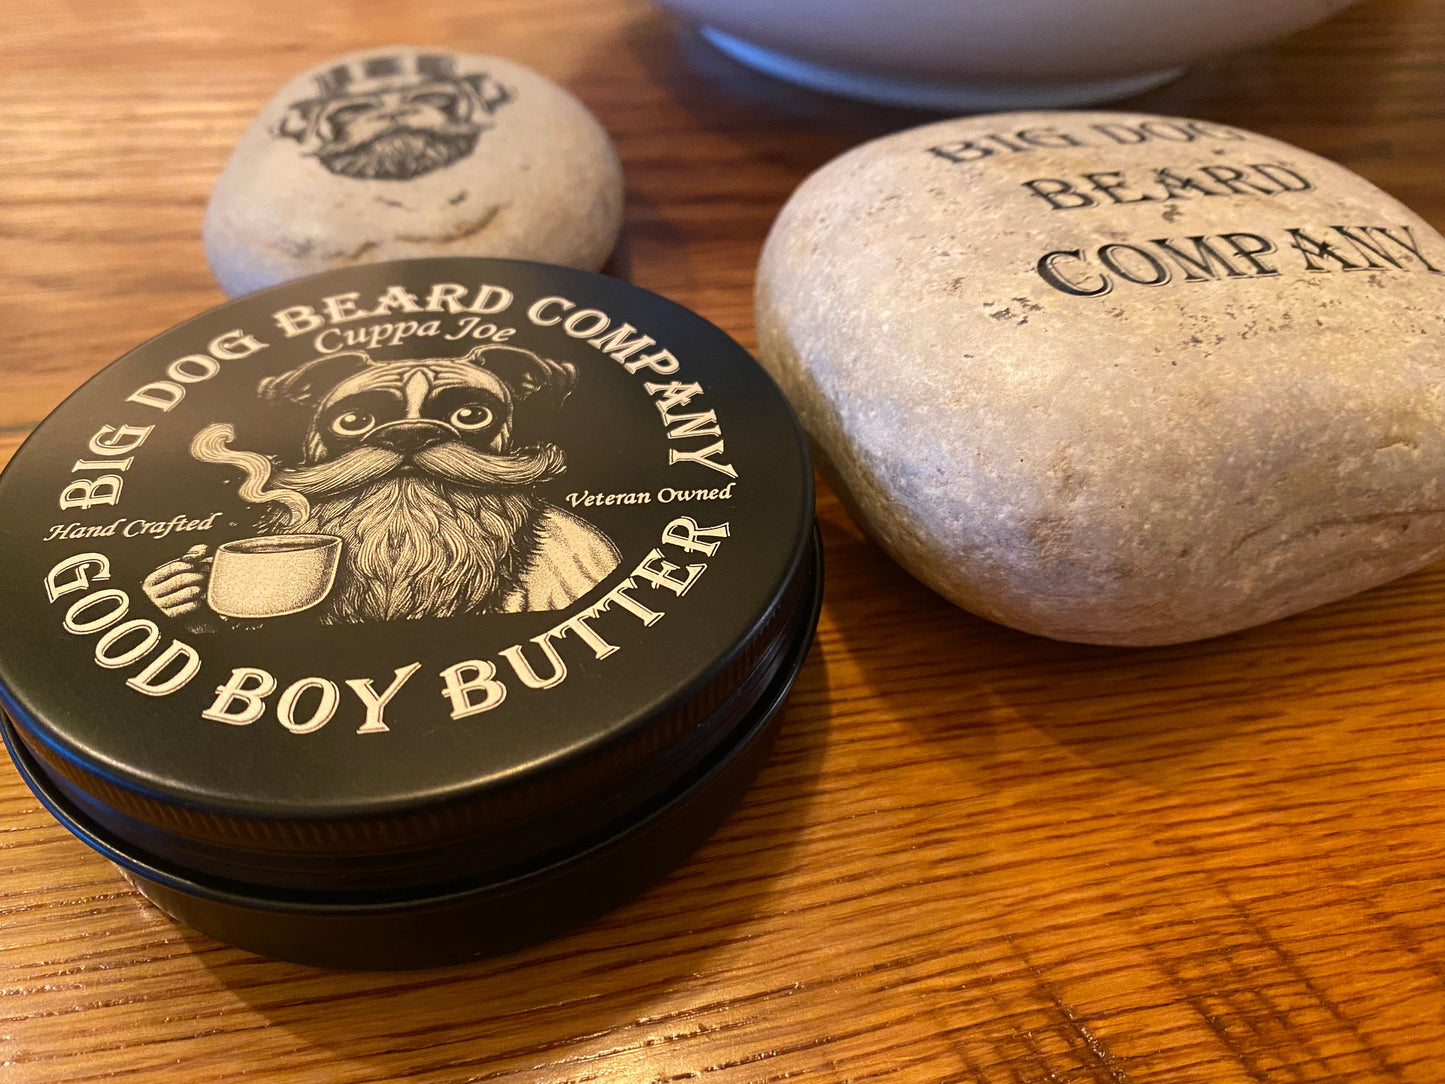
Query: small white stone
x=402 y=152
x=1117 y=378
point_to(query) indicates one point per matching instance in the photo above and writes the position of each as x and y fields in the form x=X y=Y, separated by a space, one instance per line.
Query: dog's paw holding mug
x=178 y=588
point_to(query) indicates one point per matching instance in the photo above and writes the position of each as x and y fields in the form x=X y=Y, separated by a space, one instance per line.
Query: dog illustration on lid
x=392 y=118
x=417 y=467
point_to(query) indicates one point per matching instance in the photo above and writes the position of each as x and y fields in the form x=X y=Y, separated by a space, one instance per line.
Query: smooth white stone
x=1059 y=445
x=476 y=156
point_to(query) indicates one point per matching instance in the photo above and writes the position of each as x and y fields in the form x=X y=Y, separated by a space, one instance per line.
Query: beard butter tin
x=407 y=612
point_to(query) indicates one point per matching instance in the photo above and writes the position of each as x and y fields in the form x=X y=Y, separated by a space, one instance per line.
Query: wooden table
x=975 y=856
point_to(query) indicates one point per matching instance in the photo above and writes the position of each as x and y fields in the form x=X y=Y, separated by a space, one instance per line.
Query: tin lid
x=400 y=573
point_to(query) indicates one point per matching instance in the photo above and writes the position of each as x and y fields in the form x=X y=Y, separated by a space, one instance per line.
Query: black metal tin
x=406 y=612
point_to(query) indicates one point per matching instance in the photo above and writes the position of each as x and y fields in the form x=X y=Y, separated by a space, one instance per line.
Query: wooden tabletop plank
x=975 y=855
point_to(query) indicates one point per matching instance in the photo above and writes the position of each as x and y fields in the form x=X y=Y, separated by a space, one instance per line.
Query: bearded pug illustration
x=417 y=467
x=392 y=118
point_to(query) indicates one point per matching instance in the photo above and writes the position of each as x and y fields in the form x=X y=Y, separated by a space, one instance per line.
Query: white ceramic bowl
x=989 y=54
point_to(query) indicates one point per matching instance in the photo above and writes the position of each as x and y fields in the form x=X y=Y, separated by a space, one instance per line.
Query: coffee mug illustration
x=414 y=498
x=272 y=576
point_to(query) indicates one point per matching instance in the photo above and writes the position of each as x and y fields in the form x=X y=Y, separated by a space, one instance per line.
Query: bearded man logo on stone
x=392 y=118
x=417 y=468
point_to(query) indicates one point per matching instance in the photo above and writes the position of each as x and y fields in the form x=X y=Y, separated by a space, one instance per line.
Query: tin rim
x=755 y=724
x=703 y=720
x=474 y=920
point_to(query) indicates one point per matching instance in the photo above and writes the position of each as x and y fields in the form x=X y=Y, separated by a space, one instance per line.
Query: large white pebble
x=402 y=152
x=1117 y=378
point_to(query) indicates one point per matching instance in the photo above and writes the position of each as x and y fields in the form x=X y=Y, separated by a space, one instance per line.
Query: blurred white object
x=989 y=54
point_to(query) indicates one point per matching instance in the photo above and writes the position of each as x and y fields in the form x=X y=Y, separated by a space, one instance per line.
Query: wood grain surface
x=975 y=856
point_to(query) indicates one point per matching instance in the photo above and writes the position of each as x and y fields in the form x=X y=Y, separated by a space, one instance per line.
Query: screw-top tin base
x=371 y=932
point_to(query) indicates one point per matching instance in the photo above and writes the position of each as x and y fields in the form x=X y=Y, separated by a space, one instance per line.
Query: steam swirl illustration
x=212 y=445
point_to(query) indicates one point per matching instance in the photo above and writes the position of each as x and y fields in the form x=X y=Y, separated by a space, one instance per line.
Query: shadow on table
x=597 y=978
x=1155 y=715
x=722 y=95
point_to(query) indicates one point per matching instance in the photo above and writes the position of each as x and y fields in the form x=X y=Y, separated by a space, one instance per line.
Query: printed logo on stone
x=414 y=497
x=392 y=118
